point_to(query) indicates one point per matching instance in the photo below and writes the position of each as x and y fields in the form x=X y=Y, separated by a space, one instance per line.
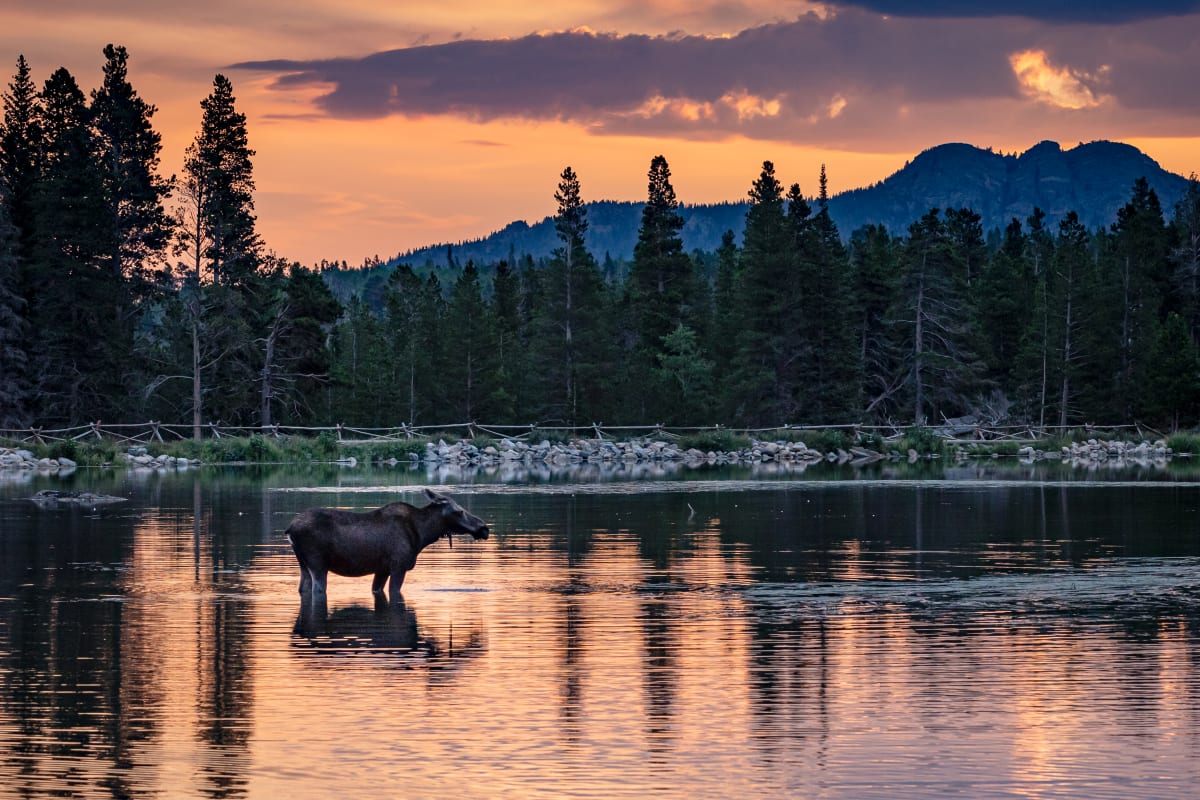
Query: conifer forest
x=131 y=290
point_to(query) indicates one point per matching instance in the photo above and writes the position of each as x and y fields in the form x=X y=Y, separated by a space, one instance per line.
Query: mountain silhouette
x=1093 y=179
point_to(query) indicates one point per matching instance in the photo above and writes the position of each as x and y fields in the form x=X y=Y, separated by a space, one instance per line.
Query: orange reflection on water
x=561 y=658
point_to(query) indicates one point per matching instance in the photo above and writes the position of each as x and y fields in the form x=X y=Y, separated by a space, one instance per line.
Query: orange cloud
x=1063 y=87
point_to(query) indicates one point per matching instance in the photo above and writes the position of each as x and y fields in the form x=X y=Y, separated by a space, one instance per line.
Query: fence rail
x=148 y=432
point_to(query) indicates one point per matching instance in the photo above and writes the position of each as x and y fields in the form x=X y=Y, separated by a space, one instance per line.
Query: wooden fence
x=148 y=432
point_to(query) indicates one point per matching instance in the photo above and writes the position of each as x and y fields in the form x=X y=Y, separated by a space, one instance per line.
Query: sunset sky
x=381 y=127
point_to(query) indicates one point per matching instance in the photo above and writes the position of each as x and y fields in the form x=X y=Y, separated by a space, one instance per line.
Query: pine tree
x=469 y=376
x=219 y=173
x=688 y=375
x=763 y=379
x=1002 y=297
x=505 y=313
x=1185 y=256
x=964 y=228
x=404 y=301
x=221 y=252
x=724 y=325
x=874 y=257
x=569 y=341
x=1173 y=375
x=20 y=155
x=662 y=290
x=129 y=149
x=830 y=386
x=14 y=393
x=80 y=352
x=1141 y=269
x=1073 y=269
x=939 y=368
x=359 y=369
x=299 y=312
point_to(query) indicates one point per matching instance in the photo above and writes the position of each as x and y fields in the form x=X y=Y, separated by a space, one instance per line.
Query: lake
x=939 y=631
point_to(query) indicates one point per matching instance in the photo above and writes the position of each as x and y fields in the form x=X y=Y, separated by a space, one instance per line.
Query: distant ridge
x=1093 y=179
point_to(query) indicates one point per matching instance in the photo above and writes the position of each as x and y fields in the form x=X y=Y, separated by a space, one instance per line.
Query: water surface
x=832 y=634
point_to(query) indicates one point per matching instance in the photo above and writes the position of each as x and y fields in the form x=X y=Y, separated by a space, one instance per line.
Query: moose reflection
x=384 y=542
x=388 y=629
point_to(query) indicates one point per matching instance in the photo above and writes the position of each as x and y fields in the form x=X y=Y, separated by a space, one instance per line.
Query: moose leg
x=377 y=584
x=319 y=577
x=305 y=576
x=398 y=574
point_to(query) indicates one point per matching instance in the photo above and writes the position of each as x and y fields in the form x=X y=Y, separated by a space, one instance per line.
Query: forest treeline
x=126 y=295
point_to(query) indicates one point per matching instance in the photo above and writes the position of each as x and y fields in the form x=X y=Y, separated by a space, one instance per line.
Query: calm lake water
x=947 y=632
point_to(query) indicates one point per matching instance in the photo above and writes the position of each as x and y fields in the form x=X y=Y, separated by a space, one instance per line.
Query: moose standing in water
x=384 y=542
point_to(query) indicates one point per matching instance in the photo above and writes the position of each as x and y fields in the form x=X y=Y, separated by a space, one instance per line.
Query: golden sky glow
x=344 y=174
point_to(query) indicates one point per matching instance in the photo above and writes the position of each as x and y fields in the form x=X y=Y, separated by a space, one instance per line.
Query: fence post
x=216 y=434
x=96 y=430
x=156 y=434
x=339 y=431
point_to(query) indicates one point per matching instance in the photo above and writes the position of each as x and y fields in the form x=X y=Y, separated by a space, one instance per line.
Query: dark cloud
x=852 y=77
x=584 y=75
x=1083 y=11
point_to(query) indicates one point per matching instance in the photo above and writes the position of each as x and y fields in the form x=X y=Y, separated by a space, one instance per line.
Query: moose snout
x=482 y=533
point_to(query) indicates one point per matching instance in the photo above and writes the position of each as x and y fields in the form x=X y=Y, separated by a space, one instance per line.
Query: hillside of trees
x=127 y=296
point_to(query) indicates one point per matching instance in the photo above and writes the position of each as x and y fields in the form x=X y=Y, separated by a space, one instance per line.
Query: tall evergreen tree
x=1140 y=268
x=830 y=388
x=964 y=228
x=359 y=379
x=1073 y=270
x=406 y=302
x=469 y=371
x=504 y=311
x=940 y=368
x=1185 y=257
x=433 y=324
x=79 y=349
x=1002 y=297
x=763 y=382
x=570 y=345
x=662 y=290
x=1173 y=374
x=218 y=170
x=14 y=392
x=20 y=154
x=723 y=326
x=874 y=257
x=300 y=312
x=129 y=150
x=221 y=254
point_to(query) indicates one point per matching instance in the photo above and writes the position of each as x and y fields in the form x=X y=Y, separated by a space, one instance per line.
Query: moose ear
x=434 y=497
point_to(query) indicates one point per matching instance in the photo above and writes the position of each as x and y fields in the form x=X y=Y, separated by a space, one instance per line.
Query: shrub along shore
x=705 y=448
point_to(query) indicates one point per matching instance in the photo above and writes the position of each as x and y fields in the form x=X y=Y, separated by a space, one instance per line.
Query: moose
x=384 y=542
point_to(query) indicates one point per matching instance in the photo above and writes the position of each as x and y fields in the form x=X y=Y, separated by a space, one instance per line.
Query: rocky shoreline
x=516 y=452
x=594 y=451
x=19 y=459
